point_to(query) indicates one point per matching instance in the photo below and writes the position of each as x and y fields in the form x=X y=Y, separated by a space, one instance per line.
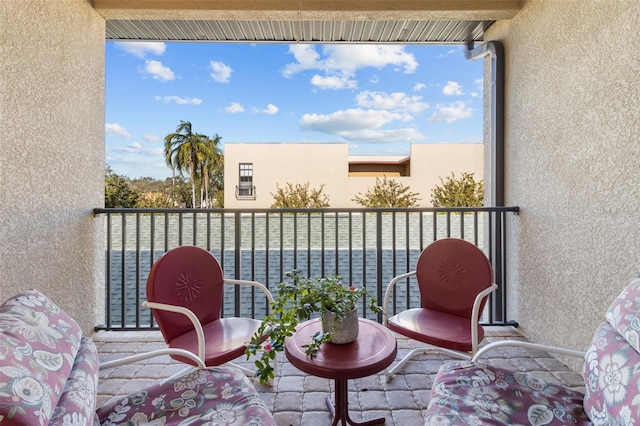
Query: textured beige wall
x=52 y=156
x=572 y=162
x=328 y=165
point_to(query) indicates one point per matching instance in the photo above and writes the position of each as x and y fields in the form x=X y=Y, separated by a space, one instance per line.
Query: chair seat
x=435 y=328
x=225 y=339
x=212 y=396
x=466 y=393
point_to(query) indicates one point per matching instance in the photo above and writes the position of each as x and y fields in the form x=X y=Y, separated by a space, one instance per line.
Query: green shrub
x=299 y=196
x=462 y=192
x=387 y=193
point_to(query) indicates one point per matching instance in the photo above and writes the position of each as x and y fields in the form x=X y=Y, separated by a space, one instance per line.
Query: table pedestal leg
x=340 y=411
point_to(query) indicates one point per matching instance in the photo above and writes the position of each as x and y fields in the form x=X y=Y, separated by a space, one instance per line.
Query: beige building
x=253 y=172
x=571 y=125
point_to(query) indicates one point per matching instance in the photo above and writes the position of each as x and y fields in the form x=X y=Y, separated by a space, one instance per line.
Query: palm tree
x=186 y=151
x=209 y=158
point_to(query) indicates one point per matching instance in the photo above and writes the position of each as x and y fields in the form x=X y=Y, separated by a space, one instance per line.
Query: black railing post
x=236 y=264
x=379 y=257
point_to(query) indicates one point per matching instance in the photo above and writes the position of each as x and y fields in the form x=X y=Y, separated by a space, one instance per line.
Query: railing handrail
x=365 y=245
x=514 y=209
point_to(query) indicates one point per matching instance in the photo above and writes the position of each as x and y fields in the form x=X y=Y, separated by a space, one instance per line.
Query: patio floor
x=299 y=399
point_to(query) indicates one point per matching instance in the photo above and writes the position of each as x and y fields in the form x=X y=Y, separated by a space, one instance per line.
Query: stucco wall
x=328 y=165
x=52 y=156
x=572 y=161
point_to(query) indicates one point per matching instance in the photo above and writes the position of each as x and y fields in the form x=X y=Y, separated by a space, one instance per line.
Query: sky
x=379 y=99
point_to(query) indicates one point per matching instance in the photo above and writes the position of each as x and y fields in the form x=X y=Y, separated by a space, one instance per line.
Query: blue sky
x=379 y=99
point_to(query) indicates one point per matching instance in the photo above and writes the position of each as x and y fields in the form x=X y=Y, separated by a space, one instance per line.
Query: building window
x=245 y=189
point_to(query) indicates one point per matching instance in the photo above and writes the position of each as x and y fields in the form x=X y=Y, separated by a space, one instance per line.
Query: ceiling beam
x=308 y=9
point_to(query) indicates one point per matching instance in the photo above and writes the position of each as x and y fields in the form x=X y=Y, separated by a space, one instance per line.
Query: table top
x=373 y=351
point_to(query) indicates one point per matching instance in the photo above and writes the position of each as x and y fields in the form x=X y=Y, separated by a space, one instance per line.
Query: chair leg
x=390 y=372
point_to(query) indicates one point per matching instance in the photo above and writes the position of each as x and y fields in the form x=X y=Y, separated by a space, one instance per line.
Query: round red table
x=373 y=351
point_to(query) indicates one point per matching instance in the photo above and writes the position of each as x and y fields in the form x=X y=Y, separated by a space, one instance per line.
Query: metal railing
x=366 y=247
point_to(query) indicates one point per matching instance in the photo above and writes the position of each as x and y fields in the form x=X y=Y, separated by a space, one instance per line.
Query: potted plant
x=297 y=300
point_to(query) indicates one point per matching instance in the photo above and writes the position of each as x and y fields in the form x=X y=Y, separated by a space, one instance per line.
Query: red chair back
x=190 y=277
x=450 y=273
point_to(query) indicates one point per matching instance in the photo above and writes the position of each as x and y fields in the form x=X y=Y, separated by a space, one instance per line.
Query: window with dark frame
x=245 y=189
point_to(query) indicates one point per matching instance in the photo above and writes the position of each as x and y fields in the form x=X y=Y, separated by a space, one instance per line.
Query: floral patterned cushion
x=38 y=345
x=77 y=403
x=215 y=396
x=466 y=393
x=624 y=314
x=612 y=378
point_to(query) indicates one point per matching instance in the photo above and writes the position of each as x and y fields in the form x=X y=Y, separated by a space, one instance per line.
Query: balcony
x=245 y=192
x=366 y=247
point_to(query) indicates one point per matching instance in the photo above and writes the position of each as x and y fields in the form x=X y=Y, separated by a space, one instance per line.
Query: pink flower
x=352 y=288
x=268 y=347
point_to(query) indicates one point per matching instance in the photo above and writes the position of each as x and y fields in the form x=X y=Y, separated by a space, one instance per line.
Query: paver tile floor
x=297 y=398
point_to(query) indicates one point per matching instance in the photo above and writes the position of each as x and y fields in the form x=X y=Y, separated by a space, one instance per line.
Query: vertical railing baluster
x=379 y=269
x=253 y=263
x=350 y=251
x=309 y=239
x=108 y=283
x=195 y=229
x=267 y=220
x=236 y=264
x=475 y=228
x=281 y=243
x=295 y=240
x=152 y=254
x=166 y=232
x=123 y=289
x=407 y=248
x=137 y=281
x=322 y=254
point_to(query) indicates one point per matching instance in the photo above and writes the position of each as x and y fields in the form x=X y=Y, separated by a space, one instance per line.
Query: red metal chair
x=454 y=279
x=185 y=293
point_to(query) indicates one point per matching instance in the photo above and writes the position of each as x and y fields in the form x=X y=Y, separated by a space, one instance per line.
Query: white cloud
x=479 y=83
x=220 y=72
x=339 y=62
x=384 y=136
x=452 y=112
x=419 y=86
x=306 y=59
x=396 y=101
x=452 y=88
x=136 y=148
x=455 y=50
x=360 y=124
x=334 y=82
x=234 y=108
x=178 y=100
x=133 y=147
x=116 y=129
x=348 y=120
x=150 y=137
x=352 y=57
x=270 y=109
x=158 y=71
x=142 y=48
